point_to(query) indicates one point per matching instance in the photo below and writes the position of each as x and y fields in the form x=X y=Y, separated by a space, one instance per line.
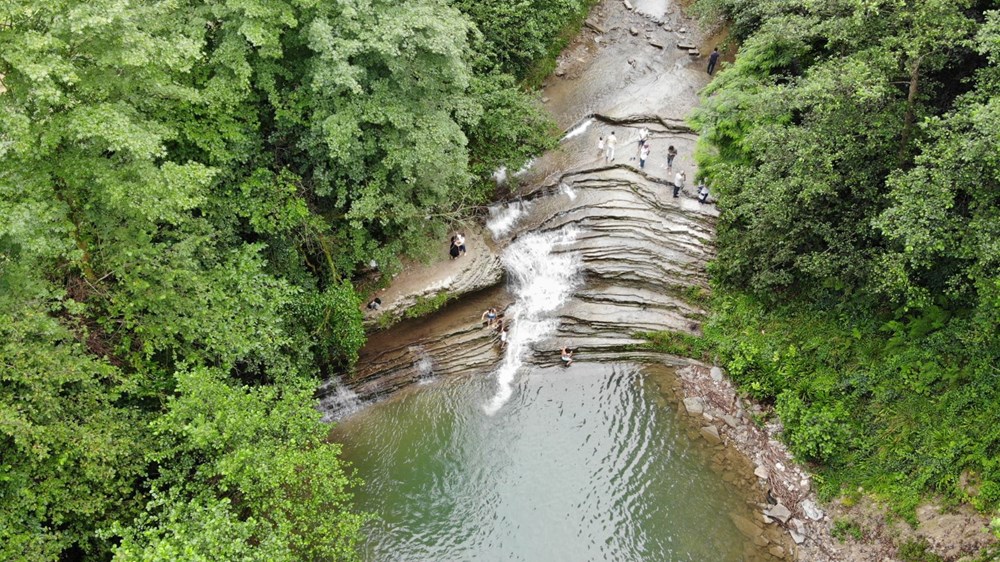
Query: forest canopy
x=852 y=145
x=187 y=192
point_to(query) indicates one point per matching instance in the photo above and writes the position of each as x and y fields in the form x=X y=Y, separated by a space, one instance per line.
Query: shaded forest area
x=853 y=148
x=188 y=191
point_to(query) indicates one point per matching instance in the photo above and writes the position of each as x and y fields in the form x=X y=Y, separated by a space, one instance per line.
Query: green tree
x=262 y=452
x=800 y=134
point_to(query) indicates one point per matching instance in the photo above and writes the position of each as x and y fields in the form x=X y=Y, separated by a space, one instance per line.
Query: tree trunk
x=910 y=115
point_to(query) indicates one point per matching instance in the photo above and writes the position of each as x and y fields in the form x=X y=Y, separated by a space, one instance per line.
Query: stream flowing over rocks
x=625 y=255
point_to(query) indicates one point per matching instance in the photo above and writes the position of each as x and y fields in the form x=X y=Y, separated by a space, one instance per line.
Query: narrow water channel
x=589 y=462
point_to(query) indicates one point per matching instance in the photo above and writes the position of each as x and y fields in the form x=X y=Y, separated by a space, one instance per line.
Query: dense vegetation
x=187 y=192
x=853 y=148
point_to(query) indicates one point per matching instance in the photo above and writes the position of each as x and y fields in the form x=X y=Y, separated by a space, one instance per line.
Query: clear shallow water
x=582 y=463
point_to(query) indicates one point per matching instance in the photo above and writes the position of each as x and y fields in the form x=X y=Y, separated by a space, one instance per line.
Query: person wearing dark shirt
x=712 y=60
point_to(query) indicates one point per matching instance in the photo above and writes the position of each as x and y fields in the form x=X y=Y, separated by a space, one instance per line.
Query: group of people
x=606 y=147
x=491 y=318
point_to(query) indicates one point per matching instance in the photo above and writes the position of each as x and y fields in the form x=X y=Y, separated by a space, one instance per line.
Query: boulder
x=694 y=406
x=685 y=46
x=710 y=433
x=716 y=374
x=760 y=472
x=749 y=529
x=593 y=25
x=811 y=510
x=633 y=31
x=779 y=512
x=628 y=5
x=797 y=530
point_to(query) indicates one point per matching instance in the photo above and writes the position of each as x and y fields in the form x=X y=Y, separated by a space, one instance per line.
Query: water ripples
x=581 y=464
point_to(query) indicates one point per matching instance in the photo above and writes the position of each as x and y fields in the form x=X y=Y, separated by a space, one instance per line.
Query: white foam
x=527 y=166
x=500 y=175
x=504 y=217
x=579 y=129
x=542 y=281
x=337 y=400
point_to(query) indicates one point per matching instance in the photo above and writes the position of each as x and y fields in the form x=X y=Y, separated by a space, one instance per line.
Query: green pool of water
x=583 y=463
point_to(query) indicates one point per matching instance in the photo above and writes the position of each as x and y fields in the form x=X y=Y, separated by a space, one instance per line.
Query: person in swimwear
x=490 y=316
x=567 y=357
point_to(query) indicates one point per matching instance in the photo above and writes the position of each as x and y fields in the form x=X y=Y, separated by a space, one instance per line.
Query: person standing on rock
x=609 y=153
x=643 y=135
x=489 y=317
x=671 y=154
x=460 y=242
x=600 y=146
x=712 y=60
x=643 y=154
x=679 y=182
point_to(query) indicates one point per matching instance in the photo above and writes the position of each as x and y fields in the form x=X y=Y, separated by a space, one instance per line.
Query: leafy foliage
x=186 y=191
x=516 y=36
x=852 y=148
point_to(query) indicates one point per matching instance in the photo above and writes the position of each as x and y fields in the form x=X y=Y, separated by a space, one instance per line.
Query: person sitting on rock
x=567 y=356
x=703 y=193
x=375 y=304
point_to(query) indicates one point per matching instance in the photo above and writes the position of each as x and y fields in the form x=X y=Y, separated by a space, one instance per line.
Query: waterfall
x=424 y=365
x=542 y=280
x=337 y=401
x=579 y=129
x=569 y=191
x=503 y=217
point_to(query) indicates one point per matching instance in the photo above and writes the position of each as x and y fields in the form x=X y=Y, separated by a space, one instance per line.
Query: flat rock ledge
x=479 y=269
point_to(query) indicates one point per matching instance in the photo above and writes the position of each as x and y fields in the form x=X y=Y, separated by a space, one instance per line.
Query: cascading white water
x=569 y=191
x=337 y=401
x=424 y=365
x=579 y=129
x=542 y=280
x=504 y=216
